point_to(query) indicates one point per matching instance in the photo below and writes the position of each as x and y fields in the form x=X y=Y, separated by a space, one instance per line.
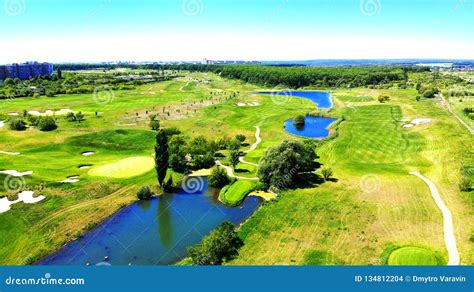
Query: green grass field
x=235 y=193
x=414 y=256
x=372 y=202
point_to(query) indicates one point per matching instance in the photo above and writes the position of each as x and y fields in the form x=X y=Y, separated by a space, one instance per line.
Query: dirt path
x=230 y=172
x=450 y=109
x=252 y=147
x=449 y=238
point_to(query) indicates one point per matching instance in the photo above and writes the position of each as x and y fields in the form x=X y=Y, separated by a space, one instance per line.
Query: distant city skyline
x=191 y=30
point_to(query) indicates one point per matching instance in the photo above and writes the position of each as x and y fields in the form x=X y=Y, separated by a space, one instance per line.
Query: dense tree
x=234 y=158
x=47 y=124
x=17 y=125
x=177 y=151
x=234 y=145
x=161 y=156
x=240 y=137
x=299 y=121
x=221 y=245
x=280 y=167
x=219 y=178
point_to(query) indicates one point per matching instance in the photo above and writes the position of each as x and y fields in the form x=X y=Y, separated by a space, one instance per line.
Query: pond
x=154 y=232
x=321 y=98
x=314 y=127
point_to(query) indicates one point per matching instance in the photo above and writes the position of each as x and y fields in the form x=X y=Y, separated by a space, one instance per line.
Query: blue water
x=154 y=232
x=314 y=127
x=321 y=98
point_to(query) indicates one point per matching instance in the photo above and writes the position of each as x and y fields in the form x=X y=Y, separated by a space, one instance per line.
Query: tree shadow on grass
x=308 y=180
x=219 y=155
x=239 y=170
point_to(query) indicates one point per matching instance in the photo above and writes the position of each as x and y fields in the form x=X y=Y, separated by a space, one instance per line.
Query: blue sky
x=109 y=30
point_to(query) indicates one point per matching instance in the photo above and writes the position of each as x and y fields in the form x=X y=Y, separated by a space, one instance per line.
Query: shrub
x=70 y=117
x=155 y=125
x=327 y=173
x=299 y=121
x=465 y=184
x=144 y=193
x=219 y=178
x=383 y=98
x=80 y=117
x=17 y=125
x=221 y=245
x=50 y=93
x=240 y=137
x=47 y=124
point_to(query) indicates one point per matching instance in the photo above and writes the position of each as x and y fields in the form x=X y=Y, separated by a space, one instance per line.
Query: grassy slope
x=411 y=255
x=335 y=222
x=233 y=194
x=375 y=202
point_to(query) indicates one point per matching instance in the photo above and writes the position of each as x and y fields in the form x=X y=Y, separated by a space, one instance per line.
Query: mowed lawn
x=235 y=193
x=375 y=203
x=115 y=131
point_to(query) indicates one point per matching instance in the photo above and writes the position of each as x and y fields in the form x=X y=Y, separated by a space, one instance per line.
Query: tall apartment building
x=25 y=70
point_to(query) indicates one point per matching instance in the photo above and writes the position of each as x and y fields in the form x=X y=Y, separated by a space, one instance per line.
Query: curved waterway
x=153 y=232
x=314 y=127
x=322 y=99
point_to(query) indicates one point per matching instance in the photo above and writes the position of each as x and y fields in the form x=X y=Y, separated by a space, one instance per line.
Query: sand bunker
x=420 y=121
x=24 y=196
x=88 y=153
x=27 y=197
x=10 y=153
x=85 y=166
x=128 y=167
x=2 y=123
x=71 y=179
x=264 y=195
x=13 y=114
x=417 y=122
x=60 y=112
x=16 y=173
x=247 y=104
